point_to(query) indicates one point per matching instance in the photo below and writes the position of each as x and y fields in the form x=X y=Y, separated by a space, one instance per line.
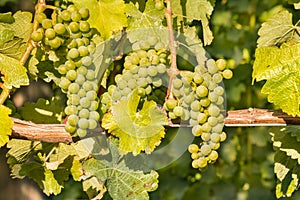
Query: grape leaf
x=13 y=71
x=6 y=17
x=6 y=125
x=14 y=48
x=280 y=67
x=6 y=35
x=42 y=112
x=287 y=160
x=121 y=182
x=107 y=16
x=195 y=10
x=76 y=169
x=94 y=188
x=277 y=30
x=137 y=130
x=62 y=151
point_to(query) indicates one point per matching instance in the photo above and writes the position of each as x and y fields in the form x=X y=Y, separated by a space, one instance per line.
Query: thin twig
x=173 y=71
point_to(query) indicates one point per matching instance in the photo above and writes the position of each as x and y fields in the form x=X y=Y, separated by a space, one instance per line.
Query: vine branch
x=172 y=45
x=236 y=118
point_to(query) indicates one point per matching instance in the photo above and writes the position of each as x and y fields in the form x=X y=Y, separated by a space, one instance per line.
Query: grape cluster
x=145 y=70
x=69 y=31
x=199 y=99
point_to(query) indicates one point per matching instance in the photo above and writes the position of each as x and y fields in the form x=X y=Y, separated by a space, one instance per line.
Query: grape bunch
x=69 y=32
x=144 y=69
x=199 y=100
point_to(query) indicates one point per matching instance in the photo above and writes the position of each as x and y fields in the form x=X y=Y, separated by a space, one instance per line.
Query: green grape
x=92 y=124
x=73 y=88
x=87 y=61
x=154 y=59
x=220 y=100
x=64 y=83
x=81 y=93
x=194 y=156
x=85 y=102
x=143 y=73
x=213 y=110
x=73 y=120
x=172 y=115
x=223 y=137
x=188 y=99
x=90 y=75
x=62 y=69
x=227 y=74
x=195 y=164
x=205 y=102
x=82 y=70
x=171 y=104
x=195 y=105
x=144 y=45
x=80 y=79
x=74 y=99
x=161 y=68
x=94 y=115
x=157 y=82
x=213 y=156
x=72 y=44
x=71 y=110
x=94 y=105
x=193 y=148
x=74 y=27
x=40 y=17
x=212 y=121
x=219 y=90
x=83 y=123
x=218 y=128
x=201 y=91
x=83 y=51
x=202 y=163
x=215 y=137
x=59 y=28
x=202 y=118
x=132 y=83
x=206 y=127
x=84 y=12
x=91 y=95
x=198 y=78
x=178 y=111
x=71 y=75
x=50 y=33
x=81 y=132
x=70 y=129
x=65 y=15
x=221 y=64
x=84 y=26
x=37 y=36
x=73 y=53
x=47 y=23
x=211 y=66
x=217 y=78
x=205 y=136
x=75 y=16
x=87 y=86
x=84 y=113
x=205 y=149
x=194 y=115
x=213 y=97
x=177 y=83
x=55 y=43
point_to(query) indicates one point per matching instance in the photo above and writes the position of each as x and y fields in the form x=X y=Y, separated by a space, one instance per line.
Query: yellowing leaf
x=14 y=72
x=122 y=182
x=277 y=30
x=6 y=125
x=280 y=67
x=137 y=130
x=107 y=16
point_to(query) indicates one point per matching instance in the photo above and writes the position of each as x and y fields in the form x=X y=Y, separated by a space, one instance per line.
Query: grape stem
x=173 y=71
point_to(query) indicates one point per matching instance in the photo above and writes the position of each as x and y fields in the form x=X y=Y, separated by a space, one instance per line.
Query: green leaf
x=138 y=130
x=62 y=151
x=6 y=125
x=195 y=10
x=42 y=112
x=76 y=169
x=6 y=35
x=151 y=17
x=287 y=160
x=277 y=30
x=14 y=48
x=94 y=188
x=107 y=16
x=121 y=182
x=280 y=67
x=6 y=18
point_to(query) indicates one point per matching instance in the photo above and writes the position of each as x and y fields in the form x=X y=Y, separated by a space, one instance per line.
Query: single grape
x=73 y=120
x=213 y=110
x=73 y=53
x=87 y=86
x=211 y=66
x=40 y=17
x=202 y=118
x=91 y=95
x=81 y=132
x=178 y=111
x=213 y=156
x=64 y=83
x=80 y=79
x=94 y=105
x=85 y=102
x=227 y=74
x=62 y=69
x=74 y=27
x=177 y=83
x=37 y=36
x=70 y=129
x=75 y=16
x=73 y=88
x=92 y=124
x=65 y=15
x=71 y=75
x=221 y=64
x=215 y=137
x=193 y=148
x=47 y=23
x=84 y=26
x=84 y=12
x=195 y=105
x=171 y=104
x=82 y=70
x=59 y=28
x=94 y=115
x=71 y=110
x=223 y=137
x=84 y=113
x=83 y=51
x=74 y=99
x=50 y=33
x=201 y=91
x=87 y=61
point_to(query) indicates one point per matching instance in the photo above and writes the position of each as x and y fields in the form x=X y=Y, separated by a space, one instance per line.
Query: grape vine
x=139 y=84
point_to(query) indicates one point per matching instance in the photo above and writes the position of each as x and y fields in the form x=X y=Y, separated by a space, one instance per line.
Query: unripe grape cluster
x=70 y=32
x=144 y=70
x=199 y=100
